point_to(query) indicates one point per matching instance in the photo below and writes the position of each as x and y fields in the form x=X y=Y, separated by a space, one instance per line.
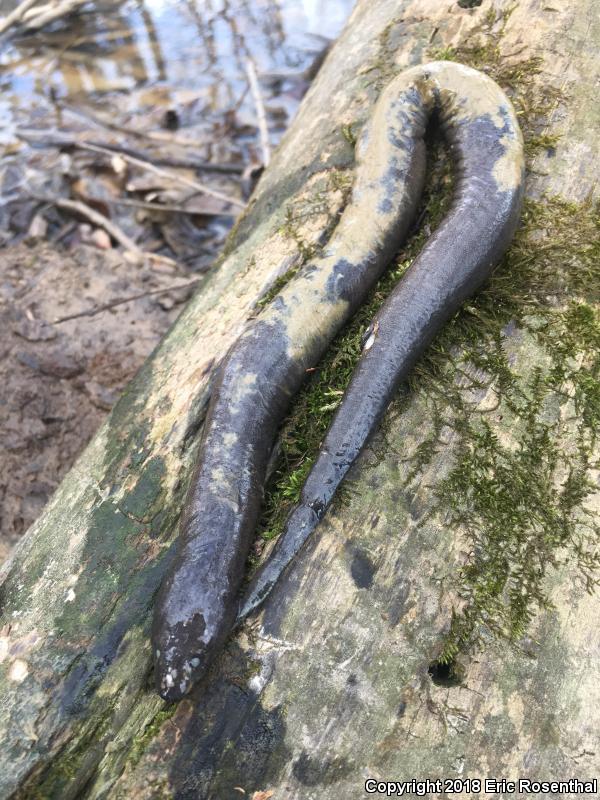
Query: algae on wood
x=332 y=685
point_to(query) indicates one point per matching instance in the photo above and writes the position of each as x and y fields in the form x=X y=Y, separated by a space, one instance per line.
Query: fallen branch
x=260 y=111
x=172 y=176
x=175 y=209
x=97 y=219
x=149 y=167
x=155 y=136
x=91 y=312
x=54 y=138
x=16 y=15
x=38 y=17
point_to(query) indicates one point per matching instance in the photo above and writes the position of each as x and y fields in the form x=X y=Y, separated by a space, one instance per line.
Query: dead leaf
x=263 y=795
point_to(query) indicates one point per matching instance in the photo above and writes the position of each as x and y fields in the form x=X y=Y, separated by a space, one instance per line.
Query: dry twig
x=142 y=163
x=157 y=136
x=154 y=136
x=171 y=176
x=170 y=208
x=96 y=218
x=91 y=312
x=260 y=111
x=56 y=138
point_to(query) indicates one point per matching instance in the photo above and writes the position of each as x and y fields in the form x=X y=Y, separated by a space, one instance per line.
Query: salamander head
x=179 y=658
x=183 y=640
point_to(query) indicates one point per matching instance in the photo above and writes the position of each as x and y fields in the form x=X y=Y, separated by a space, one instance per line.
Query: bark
x=330 y=685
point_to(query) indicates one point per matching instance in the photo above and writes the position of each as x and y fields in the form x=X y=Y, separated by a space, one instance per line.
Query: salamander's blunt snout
x=175 y=673
x=184 y=641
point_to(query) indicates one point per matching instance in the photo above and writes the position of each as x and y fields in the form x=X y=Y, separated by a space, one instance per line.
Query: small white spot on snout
x=169 y=682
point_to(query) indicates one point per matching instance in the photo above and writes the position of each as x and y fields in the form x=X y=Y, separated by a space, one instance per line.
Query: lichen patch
x=18 y=671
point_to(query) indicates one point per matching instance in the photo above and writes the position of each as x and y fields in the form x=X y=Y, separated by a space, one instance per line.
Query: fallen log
x=414 y=636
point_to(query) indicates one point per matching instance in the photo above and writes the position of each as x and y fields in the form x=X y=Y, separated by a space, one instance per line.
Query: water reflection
x=113 y=76
x=191 y=44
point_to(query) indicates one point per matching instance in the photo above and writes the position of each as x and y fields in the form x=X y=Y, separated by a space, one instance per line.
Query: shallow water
x=116 y=73
x=188 y=55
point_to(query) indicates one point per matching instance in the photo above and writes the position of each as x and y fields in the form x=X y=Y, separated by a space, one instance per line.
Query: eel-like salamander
x=197 y=603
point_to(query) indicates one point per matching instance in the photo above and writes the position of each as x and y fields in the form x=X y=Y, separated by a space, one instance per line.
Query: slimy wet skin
x=197 y=604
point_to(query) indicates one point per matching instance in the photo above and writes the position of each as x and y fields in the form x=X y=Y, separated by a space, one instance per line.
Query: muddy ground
x=58 y=381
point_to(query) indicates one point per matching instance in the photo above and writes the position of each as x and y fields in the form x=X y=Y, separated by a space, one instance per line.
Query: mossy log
x=464 y=533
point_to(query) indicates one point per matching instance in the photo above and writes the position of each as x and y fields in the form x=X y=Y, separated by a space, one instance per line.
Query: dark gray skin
x=197 y=604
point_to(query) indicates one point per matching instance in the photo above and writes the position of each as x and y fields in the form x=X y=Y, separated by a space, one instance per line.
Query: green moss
x=532 y=99
x=150 y=732
x=316 y=403
x=68 y=765
x=291 y=228
x=277 y=286
x=522 y=474
x=349 y=134
x=521 y=502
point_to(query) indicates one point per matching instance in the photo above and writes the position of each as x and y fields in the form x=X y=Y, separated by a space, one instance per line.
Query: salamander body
x=197 y=604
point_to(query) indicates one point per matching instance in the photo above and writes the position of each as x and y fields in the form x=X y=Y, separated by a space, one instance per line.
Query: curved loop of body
x=197 y=604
